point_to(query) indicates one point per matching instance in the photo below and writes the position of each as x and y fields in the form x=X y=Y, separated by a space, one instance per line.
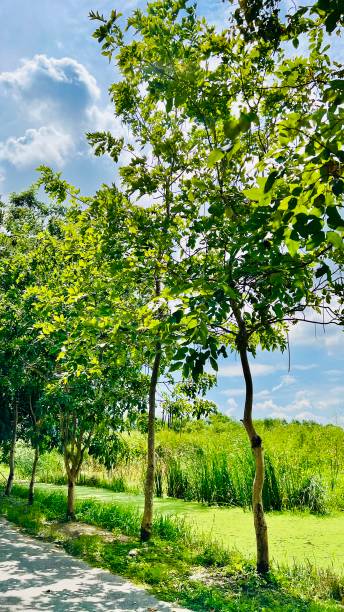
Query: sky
x=54 y=88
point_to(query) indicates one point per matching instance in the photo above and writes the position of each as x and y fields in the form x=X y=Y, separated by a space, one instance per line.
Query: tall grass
x=213 y=464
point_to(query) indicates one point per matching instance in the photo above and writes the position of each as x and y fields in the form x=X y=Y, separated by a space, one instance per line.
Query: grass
x=212 y=463
x=177 y=565
x=294 y=537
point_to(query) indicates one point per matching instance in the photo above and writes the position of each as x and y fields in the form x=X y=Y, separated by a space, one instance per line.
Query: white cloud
x=46 y=144
x=340 y=390
x=104 y=120
x=236 y=392
x=268 y=405
x=231 y=406
x=314 y=335
x=232 y=403
x=63 y=70
x=257 y=369
x=262 y=394
x=286 y=381
x=310 y=416
x=334 y=373
x=303 y=367
x=279 y=414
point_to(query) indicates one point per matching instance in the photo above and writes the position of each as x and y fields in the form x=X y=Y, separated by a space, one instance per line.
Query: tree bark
x=257 y=494
x=71 y=498
x=147 y=519
x=10 y=479
x=73 y=459
x=260 y=525
x=33 y=477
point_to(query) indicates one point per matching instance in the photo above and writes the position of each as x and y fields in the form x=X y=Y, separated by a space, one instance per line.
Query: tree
x=84 y=309
x=186 y=401
x=245 y=267
x=23 y=219
x=266 y=19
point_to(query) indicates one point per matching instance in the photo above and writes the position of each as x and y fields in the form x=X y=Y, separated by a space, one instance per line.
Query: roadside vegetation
x=177 y=564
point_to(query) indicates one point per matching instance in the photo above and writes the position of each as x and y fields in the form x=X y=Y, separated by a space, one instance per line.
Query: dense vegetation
x=234 y=147
x=178 y=565
x=212 y=463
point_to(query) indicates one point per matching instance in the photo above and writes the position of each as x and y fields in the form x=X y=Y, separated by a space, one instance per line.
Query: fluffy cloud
x=308 y=335
x=286 y=381
x=306 y=404
x=104 y=120
x=268 y=405
x=257 y=369
x=50 y=98
x=41 y=68
x=231 y=406
x=235 y=392
x=46 y=144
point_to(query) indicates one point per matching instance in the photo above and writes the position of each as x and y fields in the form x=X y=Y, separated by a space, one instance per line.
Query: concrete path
x=37 y=575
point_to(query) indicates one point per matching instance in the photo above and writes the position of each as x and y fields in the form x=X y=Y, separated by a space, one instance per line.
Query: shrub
x=312 y=495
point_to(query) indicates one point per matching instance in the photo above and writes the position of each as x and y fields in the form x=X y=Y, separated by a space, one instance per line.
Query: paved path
x=37 y=575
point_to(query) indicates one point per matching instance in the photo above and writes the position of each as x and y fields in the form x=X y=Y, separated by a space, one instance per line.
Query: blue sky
x=53 y=88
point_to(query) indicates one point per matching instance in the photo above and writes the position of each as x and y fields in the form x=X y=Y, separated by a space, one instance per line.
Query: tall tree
x=245 y=268
x=85 y=308
x=23 y=219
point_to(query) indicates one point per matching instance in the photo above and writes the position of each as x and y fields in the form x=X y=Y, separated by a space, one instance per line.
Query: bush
x=312 y=495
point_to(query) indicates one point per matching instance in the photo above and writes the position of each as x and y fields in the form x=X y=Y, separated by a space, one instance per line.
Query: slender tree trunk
x=33 y=477
x=69 y=460
x=10 y=479
x=147 y=519
x=71 y=498
x=73 y=461
x=257 y=494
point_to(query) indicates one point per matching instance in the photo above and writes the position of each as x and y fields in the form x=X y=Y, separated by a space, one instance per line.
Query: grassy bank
x=295 y=537
x=178 y=565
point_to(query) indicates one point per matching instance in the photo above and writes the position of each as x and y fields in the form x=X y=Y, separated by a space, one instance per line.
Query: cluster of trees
x=224 y=229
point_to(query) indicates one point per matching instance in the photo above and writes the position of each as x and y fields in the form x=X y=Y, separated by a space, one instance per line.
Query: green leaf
x=324 y=269
x=270 y=181
x=177 y=316
x=338 y=187
x=176 y=366
x=192 y=323
x=295 y=42
x=335 y=221
x=181 y=353
x=214 y=364
x=169 y=104
x=292 y=246
x=254 y=194
x=215 y=156
x=337 y=84
x=335 y=239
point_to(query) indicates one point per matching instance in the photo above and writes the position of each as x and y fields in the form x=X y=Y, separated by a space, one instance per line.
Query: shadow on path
x=38 y=576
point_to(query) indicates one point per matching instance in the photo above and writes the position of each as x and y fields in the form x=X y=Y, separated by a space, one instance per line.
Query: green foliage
x=190 y=465
x=312 y=495
x=191 y=572
x=236 y=147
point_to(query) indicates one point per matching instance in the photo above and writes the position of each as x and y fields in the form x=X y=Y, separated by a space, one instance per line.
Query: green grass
x=177 y=565
x=294 y=537
x=213 y=463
